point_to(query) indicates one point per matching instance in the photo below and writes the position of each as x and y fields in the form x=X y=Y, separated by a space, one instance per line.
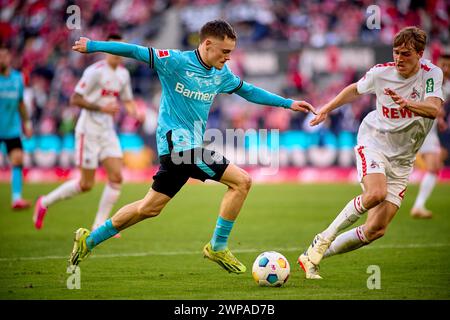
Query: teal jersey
x=11 y=94
x=188 y=90
x=189 y=87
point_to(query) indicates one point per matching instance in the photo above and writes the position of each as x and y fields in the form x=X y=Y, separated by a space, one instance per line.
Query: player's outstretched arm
x=260 y=96
x=84 y=45
x=348 y=94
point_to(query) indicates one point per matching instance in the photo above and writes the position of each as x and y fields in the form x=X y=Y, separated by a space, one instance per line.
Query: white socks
x=351 y=212
x=426 y=187
x=64 y=191
x=110 y=195
x=347 y=241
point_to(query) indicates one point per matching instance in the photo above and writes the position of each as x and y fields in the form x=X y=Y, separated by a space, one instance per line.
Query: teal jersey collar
x=199 y=58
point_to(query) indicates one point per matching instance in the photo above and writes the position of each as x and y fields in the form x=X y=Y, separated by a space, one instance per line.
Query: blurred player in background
x=431 y=150
x=96 y=93
x=13 y=119
x=409 y=98
x=190 y=80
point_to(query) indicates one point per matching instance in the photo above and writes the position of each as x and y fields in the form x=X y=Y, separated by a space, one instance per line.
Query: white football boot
x=311 y=270
x=317 y=249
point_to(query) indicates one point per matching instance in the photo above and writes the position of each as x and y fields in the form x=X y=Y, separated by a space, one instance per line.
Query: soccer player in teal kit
x=12 y=115
x=190 y=80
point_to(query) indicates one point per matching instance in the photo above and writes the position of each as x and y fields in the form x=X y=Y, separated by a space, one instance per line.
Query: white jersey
x=101 y=85
x=398 y=134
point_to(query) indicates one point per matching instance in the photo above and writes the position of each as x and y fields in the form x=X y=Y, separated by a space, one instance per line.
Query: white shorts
x=431 y=143
x=92 y=149
x=397 y=172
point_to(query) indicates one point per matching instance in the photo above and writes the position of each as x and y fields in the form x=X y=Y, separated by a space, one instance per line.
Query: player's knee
x=244 y=183
x=86 y=186
x=115 y=178
x=374 y=197
x=17 y=162
x=148 y=211
x=16 y=157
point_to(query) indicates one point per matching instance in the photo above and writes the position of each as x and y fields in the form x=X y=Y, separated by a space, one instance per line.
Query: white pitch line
x=174 y=253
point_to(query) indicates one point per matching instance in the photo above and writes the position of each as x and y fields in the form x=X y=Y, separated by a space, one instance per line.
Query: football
x=271 y=269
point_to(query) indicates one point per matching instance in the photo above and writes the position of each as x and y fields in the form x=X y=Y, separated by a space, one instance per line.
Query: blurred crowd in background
x=41 y=44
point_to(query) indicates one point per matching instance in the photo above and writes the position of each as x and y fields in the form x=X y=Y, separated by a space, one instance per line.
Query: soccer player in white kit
x=431 y=150
x=96 y=93
x=409 y=97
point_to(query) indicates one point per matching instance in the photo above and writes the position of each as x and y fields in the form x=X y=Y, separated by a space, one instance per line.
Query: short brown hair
x=411 y=36
x=218 y=29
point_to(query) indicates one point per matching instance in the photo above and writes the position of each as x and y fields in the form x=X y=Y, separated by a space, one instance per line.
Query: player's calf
x=373 y=197
x=148 y=210
x=152 y=204
x=86 y=186
x=379 y=219
x=374 y=232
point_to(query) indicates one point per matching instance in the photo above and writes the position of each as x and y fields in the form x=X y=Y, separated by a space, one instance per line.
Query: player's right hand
x=28 y=129
x=81 y=45
x=319 y=118
x=111 y=108
x=302 y=106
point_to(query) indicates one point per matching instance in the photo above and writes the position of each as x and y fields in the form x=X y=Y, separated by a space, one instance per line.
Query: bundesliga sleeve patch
x=430 y=85
x=163 y=53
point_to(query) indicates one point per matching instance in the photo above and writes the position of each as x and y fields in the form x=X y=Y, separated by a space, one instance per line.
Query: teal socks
x=221 y=233
x=16 y=183
x=102 y=233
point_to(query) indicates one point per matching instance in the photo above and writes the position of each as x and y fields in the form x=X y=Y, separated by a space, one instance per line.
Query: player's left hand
x=303 y=106
x=319 y=118
x=402 y=102
x=81 y=45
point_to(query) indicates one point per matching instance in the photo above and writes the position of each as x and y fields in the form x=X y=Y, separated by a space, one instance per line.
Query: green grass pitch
x=161 y=258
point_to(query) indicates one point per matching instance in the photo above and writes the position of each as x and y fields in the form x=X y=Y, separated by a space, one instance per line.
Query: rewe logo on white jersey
x=397 y=113
x=197 y=95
